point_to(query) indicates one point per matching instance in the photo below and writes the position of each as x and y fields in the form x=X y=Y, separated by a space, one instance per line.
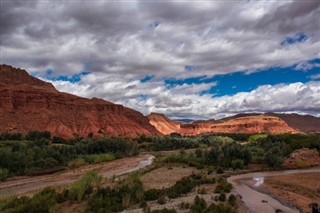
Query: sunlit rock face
x=242 y=124
x=27 y=103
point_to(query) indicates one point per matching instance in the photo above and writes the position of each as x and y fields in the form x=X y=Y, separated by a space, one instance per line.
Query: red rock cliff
x=163 y=124
x=27 y=103
x=244 y=124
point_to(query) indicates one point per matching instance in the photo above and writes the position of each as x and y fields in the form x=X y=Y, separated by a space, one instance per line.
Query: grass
x=90 y=159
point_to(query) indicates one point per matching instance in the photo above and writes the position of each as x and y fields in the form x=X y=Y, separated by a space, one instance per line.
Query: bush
x=199 y=205
x=152 y=194
x=182 y=186
x=237 y=164
x=222 y=197
x=202 y=191
x=4 y=173
x=162 y=200
x=11 y=136
x=220 y=170
x=274 y=157
x=36 y=135
x=232 y=200
x=184 y=205
x=98 y=158
x=223 y=187
x=77 y=163
x=43 y=201
x=83 y=187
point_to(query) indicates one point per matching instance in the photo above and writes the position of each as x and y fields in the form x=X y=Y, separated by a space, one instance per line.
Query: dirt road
x=29 y=185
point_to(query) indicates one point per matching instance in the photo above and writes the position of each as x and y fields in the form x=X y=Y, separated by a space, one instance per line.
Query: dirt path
x=29 y=185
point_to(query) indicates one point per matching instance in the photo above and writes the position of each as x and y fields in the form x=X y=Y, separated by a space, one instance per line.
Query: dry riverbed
x=29 y=185
x=298 y=190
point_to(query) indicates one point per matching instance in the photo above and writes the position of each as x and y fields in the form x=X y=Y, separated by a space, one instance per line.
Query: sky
x=186 y=59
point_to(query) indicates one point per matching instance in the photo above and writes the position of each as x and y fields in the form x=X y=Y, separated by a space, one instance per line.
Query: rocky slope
x=241 y=124
x=27 y=103
x=303 y=123
x=163 y=124
x=303 y=158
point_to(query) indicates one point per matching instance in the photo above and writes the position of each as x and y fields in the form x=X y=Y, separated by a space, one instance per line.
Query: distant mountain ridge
x=27 y=103
x=245 y=123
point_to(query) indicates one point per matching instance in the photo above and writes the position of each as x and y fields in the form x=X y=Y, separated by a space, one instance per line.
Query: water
x=141 y=165
x=257 y=201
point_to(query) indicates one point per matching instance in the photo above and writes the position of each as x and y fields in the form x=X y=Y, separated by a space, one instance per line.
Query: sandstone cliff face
x=249 y=124
x=27 y=103
x=163 y=124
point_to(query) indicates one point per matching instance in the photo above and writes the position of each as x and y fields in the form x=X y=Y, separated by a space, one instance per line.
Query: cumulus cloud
x=186 y=101
x=159 y=38
x=122 y=42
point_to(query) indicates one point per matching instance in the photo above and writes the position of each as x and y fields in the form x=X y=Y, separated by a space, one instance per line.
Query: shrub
x=152 y=194
x=220 y=170
x=184 y=205
x=237 y=164
x=3 y=174
x=222 y=197
x=77 y=163
x=202 y=191
x=36 y=135
x=223 y=187
x=199 y=205
x=98 y=158
x=232 y=200
x=162 y=200
x=83 y=187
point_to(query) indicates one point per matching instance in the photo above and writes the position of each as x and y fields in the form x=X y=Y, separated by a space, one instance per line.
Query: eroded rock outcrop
x=248 y=124
x=163 y=124
x=27 y=103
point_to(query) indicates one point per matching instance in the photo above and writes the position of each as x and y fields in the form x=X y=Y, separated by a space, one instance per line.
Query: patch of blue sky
x=71 y=78
x=146 y=78
x=233 y=83
x=143 y=97
x=297 y=38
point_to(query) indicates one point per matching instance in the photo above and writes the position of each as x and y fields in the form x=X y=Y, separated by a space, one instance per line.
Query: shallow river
x=253 y=199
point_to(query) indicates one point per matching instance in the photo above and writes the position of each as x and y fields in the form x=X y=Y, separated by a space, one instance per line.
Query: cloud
x=315 y=77
x=186 y=100
x=131 y=48
x=306 y=65
x=156 y=38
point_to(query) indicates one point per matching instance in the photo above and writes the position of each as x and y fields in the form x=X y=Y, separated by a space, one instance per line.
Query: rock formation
x=27 y=103
x=242 y=124
x=163 y=124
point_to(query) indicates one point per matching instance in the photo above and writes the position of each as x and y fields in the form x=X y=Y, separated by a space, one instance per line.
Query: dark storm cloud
x=297 y=16
x=122 y=42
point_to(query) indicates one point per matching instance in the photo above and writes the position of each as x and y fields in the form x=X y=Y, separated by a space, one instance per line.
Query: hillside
x=242 y=123
x=27 y=103
x=163 y=124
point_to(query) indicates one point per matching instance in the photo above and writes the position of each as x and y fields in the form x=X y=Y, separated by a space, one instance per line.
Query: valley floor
x=298 y=190
x=30 y=185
